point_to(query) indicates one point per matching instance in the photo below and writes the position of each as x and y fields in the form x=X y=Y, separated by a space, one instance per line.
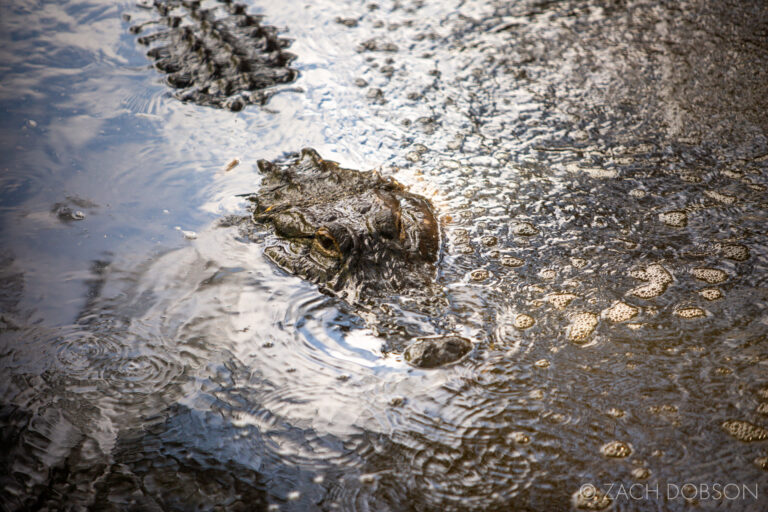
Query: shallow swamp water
x=600 y=171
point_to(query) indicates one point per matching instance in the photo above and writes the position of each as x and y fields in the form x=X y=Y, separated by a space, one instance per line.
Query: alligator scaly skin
x=215 y=53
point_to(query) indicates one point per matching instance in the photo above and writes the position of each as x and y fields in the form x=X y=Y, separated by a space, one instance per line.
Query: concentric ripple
x=124 y=368
x=84 y=355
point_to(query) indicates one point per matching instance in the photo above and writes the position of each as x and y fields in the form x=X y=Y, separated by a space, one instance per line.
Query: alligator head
x=352 y=232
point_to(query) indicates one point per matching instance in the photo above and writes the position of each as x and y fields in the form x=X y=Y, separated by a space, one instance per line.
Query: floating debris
x=189 y=235
x=66 y=214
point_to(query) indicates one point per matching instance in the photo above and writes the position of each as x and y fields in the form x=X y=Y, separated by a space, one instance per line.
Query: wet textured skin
x=352 y=232
x=216 y=54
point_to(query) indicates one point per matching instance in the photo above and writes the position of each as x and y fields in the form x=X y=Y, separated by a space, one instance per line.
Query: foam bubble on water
x=561 y=300
x=620 y=312
x=720 y=197
x=690 y=178
x=548 y=274
x=524 y=229
x=711 y=293
x=690 y=312
x=616 y=450
x=524 y=321
x=664 y=410
x=582 y=326
x=413 y=156
x=657 y=277
x=511 y=261
x=519 y=438
x=451 y=164
x=578 y=262
x=502 y=156
x=736 y=252
x=745 y=431
x=589 y=497
x=675 y=218
x=709 y=275
x=594 y=172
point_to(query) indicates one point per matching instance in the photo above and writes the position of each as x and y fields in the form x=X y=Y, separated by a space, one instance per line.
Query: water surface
x=600 y=171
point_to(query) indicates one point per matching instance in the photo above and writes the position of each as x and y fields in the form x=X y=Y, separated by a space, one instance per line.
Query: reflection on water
x=600 y=171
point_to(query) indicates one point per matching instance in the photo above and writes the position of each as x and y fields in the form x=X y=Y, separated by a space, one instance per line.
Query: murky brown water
x=600 y=169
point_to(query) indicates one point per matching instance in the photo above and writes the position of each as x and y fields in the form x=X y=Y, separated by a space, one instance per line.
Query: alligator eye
x=326 y=244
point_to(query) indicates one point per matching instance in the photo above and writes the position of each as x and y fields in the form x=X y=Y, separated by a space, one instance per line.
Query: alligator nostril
x=387 y=224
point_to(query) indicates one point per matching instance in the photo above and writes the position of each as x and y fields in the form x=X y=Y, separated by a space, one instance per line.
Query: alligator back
x=215 y=53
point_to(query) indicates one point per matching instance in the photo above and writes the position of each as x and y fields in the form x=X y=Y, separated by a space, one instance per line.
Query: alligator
x=217 y=55
x=357 y=235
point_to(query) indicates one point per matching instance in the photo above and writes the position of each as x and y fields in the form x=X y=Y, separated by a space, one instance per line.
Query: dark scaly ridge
x=219 y=56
